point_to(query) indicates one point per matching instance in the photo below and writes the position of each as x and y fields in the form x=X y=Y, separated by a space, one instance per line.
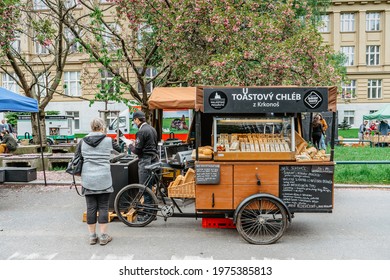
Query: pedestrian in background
x=324 y=128
x=4 y=125
x=362 y=130
x=317 y=131
x=8 y=142
x=383 y=127
x=373 y=127
x=96 y=179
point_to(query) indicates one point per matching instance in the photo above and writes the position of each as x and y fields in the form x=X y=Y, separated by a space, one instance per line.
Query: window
x=40 y=49
x=74 y=46
x=349 y=53
x=372 y=21
x=71 y=3
x=374 y=89
x=349 y=116
x=114 y=123
x=109 y=39
x=108 y=85
x=149 y=74
x=111 y=116
x=143 y=32
x=349 y=90
x=72 y=83
x=39 y=5
x=347 y=22
x=76 y=117
x=324 y=24
x=9 y=82
x=372 y=55
x=15 y=44
x=41 y=86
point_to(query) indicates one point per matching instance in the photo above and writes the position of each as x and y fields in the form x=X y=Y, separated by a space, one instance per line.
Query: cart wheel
x=130 y=207
x=261 y=220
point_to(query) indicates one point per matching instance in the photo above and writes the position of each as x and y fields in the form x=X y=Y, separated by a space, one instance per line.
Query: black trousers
x=97 y=203
x=143 y=174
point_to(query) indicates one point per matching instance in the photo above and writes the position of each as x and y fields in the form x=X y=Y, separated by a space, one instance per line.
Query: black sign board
x=207 y=174
x=265 y=99
x=306 y=188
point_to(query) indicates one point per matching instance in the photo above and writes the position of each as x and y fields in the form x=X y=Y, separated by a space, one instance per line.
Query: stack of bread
x=252 y=142
x=312 y=154
x=204 y=153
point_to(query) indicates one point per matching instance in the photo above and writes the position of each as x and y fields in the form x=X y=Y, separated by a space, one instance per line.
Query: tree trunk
x=146 y=110
x=34 y=126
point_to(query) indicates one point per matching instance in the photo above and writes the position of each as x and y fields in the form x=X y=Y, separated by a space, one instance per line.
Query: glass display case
x=254 y=138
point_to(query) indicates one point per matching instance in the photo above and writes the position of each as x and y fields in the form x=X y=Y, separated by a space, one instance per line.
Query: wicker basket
x=186 y=190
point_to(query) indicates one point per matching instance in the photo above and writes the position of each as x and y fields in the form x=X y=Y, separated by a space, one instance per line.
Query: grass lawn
x=348 y=133
x=362 y=173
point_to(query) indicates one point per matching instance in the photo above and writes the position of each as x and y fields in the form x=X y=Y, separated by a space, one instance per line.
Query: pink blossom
x=47 y=42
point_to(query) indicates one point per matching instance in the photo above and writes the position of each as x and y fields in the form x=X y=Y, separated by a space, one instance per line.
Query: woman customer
x=317 y=131
x=96 y=179
x=324 y=128
x=8 y=143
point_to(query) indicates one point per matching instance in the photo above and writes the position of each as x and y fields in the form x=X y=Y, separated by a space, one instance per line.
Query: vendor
x=8 y=144
x=383 y=127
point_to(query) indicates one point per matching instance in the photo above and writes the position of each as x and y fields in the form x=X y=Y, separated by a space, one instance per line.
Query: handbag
x=75 y=166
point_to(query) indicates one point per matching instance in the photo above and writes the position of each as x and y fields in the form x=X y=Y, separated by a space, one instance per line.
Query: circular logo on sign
x=218 y=100
x=312 y=99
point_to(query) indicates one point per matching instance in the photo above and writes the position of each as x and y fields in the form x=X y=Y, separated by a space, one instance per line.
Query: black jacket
x=10 y=142
x=145 y=142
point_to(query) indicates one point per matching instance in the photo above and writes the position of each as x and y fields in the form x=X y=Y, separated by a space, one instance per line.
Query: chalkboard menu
x=307 y=188
x=207 y=174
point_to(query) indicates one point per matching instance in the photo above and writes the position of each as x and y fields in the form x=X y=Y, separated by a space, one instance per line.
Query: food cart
x=252 y=164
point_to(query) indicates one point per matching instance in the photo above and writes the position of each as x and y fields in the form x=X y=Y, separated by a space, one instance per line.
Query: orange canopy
x=177 y=98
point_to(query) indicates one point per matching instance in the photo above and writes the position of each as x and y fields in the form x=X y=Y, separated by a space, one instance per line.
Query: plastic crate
x=217 y=223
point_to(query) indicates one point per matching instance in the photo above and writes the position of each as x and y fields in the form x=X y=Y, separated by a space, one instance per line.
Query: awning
x=192 y=97
x=177 y=98
x=383 y=113
x=13 y=102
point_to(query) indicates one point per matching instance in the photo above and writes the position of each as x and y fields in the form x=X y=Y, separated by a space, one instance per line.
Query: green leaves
x=44 y=31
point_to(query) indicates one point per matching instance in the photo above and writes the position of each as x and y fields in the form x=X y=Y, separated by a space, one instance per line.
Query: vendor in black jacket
x=145 y=147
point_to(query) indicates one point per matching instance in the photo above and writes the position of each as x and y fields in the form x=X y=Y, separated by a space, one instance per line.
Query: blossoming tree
x=206 y=42
x=37 y=72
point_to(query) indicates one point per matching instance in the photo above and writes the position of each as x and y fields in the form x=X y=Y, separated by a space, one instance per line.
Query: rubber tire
x=256 y=221
x=124 y=203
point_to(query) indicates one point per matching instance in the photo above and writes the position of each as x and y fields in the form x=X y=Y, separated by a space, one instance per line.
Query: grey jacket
x=96 y=149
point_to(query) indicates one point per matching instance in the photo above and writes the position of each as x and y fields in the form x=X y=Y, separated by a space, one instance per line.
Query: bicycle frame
x=155 y=181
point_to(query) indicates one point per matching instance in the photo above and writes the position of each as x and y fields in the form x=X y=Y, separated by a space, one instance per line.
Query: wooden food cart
x=252 y=164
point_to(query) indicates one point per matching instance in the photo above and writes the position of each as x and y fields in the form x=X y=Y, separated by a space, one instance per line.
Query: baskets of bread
x=183 y=186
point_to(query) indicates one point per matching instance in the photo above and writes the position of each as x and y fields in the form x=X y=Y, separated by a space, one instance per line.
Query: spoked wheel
x=131 y=208
x=261 y=220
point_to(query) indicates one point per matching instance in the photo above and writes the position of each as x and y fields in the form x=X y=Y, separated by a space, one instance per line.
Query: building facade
x=361 y=31
x=81 y=79
x=358 y=29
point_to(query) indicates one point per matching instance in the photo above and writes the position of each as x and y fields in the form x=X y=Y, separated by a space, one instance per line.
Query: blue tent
x=13 y=102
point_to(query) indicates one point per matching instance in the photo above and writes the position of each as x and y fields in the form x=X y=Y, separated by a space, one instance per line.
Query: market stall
x=252 y=164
